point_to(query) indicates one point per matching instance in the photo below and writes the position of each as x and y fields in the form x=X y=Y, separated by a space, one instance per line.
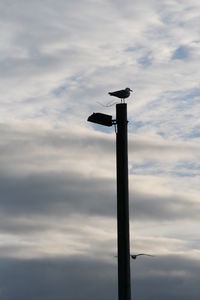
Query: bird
x=122 y=94
x=134 y=256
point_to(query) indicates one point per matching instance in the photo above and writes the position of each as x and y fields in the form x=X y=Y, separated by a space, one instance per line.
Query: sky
x=58 y=61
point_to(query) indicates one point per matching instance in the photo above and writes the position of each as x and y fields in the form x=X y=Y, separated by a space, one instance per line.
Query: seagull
x=134 y=256
x=122 y=94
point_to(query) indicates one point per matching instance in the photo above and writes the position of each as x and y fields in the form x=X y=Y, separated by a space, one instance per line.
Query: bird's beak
x=131 y=90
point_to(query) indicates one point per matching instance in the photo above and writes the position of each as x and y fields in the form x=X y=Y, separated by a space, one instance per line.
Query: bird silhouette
x=134 y=256
x=122 y=94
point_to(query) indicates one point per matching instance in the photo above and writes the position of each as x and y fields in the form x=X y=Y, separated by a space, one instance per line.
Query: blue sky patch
x=181 y=53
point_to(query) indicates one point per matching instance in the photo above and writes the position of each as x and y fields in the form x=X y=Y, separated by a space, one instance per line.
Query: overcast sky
x=58 y=60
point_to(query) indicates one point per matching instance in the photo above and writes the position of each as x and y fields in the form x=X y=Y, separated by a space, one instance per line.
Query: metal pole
x=124 y=287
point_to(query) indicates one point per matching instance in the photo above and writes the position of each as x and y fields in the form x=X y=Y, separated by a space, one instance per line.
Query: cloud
x=167 y=276
x=57 y=174
x=56 y=168
x=52 y=182
x=175 y=274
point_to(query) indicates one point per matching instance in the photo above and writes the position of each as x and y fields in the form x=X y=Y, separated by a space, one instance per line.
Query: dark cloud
x=56 y=194
x=69 y=193
x=57 y=279
x=61 y=195
x=165 y=277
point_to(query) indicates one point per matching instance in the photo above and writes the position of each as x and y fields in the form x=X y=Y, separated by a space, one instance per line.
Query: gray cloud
x=169 y=277
x=58 y=187
x=57 y=279
x=79 y=278
x=157 y=207
x=59 y=193
x=55 y=171
x=66 y=194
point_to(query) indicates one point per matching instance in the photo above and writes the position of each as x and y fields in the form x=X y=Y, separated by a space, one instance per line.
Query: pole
x=124 y=287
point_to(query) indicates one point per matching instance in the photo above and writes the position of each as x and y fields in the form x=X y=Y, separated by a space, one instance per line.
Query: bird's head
x=128 y=89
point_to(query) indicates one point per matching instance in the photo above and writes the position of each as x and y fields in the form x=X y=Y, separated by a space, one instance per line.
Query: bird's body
x=134 y=256
x=122 y=94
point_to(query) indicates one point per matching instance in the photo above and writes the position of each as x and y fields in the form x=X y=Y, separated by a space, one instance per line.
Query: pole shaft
x=124 y=287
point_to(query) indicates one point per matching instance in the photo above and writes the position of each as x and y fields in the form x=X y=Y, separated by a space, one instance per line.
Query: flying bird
x=134 y=256
x=122 y=94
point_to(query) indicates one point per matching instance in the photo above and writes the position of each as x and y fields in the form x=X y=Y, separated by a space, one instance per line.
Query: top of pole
x=121 y=113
